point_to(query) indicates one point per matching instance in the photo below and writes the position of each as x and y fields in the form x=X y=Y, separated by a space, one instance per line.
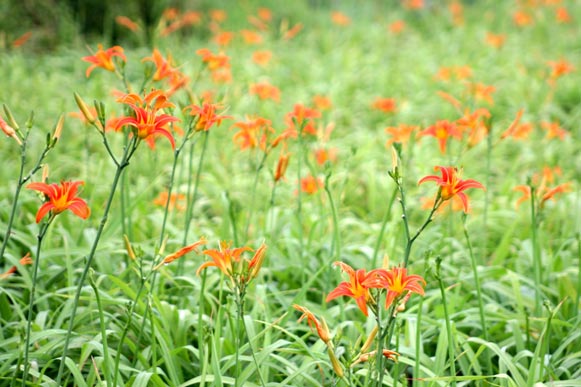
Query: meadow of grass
x=362 y=100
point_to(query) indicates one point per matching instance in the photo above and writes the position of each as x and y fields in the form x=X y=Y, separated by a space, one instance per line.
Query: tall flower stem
x=106 y=356
x=121 y=165
x=536 y=252
x=22 y=179
x=383 y=338
x=193 y=197
x=451 y=351
x=478 y=289
x=336 y=246
x=253 y=195
x=383 y=226
x=39 y=238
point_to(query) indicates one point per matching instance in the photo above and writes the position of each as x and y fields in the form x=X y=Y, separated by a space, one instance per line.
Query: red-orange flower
x=397 y=27
x=223 y=258
x=163 y=67
x=206 y=116
x=281 y=165
x=265 y=91
x=147 y=120
x=127 y=23
x=213 y=61
x=451 y=184
x=353 y=288
x=104 y=58
x=321 y=327
x=560 y=68
x=562 y=15
x=310 y=185
x=442 y=131
x=175 y=200
x=261 y=58
x=396 y=281
x=60 y=198
x=340 y=19
x=26 y=260
x=251 y=37
x=181 y=252
x=253 y=133
x=386 y=105
x=495 y=40
x=554 y=130
x=401 y=133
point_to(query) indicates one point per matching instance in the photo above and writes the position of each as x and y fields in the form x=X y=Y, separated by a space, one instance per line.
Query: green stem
x=417 y=370
x=383 y=226
x=578 y=274
x=336 y=246
x=40 y=237
x=239 y=322
x=451 y=351
x=536 y=252
x=252 y=352
x=126 y=329
x=128 y=153
x=478 y=289
x=106 y=357
x=253 y=195
x=192 y=199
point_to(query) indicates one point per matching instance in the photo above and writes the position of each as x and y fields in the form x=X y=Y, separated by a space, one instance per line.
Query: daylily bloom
x=127 y=23
x=104 y=58
x=223 y=258
x=253 y=133
x=397 y=27
x=442 y=131
x=181 y=252
x=175 y=200
x=522 y=18
x=265 y=91
x=163 y=67
x=353 y=288
x=340 y=19
x=386 y=105
x=146 y=120
x=554 y=130
x=495 y=40
x=261 y=58
x=474 y=124
x=323 y=155
x=292 y=32
x=482 y=92
x=451 y=185
x=206 y=116
x=322 y=102
x=310 y=185
x=251 y=37
x=396 y=281
x=213 y=61
x=562 y=15
x=60 y=198
x=559 y=68
x=218 y=15
x=320 y=326
x=401 y=133
x=26 y=260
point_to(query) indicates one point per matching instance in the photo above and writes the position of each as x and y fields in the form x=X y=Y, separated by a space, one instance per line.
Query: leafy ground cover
x=273 y=195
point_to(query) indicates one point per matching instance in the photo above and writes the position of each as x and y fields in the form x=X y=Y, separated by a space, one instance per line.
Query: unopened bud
x=84 y=109
x=129 y=249
x=45 y=171
x=58 y=128
x=9 y=131
x=369 y=342
x=10 y=117
x=337 y=367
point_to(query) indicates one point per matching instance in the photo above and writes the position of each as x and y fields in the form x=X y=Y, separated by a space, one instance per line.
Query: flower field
x=317 y=194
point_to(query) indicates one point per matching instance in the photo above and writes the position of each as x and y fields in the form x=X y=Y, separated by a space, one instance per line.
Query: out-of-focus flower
x=442 y=131
x=474 y=123
x=322 y=102
x=176 y=200
x=450 y=99
x=413 y=4
x=104 y=58
x=218 y=15
x=60 y=198
x=481 y=92
x=213 y=61
x=386 y=105
x=558 y=69
x=292 y=32
x=562 y=15
x=251 y=37
x=262 y=58
x=554 y=130
x=495 y=40
x=340 y=19
x=457 y=11
x=26 y=260
x=22 y=39
x=265 y=91
x=311 y=185
x=401 y=133
x=206 y=115
x=163 y=67
x=522 y=18
x=301 y=118
x=223 y=38
x=281 y=165
x=323 y=155
x=451 y=185
x=253 y=133
x=127 y=23
x=397 y=27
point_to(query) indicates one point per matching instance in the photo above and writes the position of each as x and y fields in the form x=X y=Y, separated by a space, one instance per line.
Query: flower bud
x=84 y=109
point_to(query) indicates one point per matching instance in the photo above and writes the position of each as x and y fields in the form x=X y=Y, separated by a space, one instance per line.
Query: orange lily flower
x=253 y=133
x=482 y=92
x=60 y=198
x=321 y=327
x=310 y=185
x=292 y=32
x=354 y=288
x=175 y=200
x=442 y=130
x=554 y=130
x=386 y=105
x=451 y=185
x=322 y=102
x=104 y=58
x=396 y=281
x=207 y=116
x=26 y=260
x=559 y=68
x=127 y=23
x=323 y=155
x=181 y=252
x=213 y=61
x=222 y=258
x=265 y=91
x=163 y=68
x=340 y=19
x=401 y=133
x=495 y=40
x=262 y=58
x=562 y=15
x=146 y=120
x=281 y=165
x=251 y=37
x=397 y=27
